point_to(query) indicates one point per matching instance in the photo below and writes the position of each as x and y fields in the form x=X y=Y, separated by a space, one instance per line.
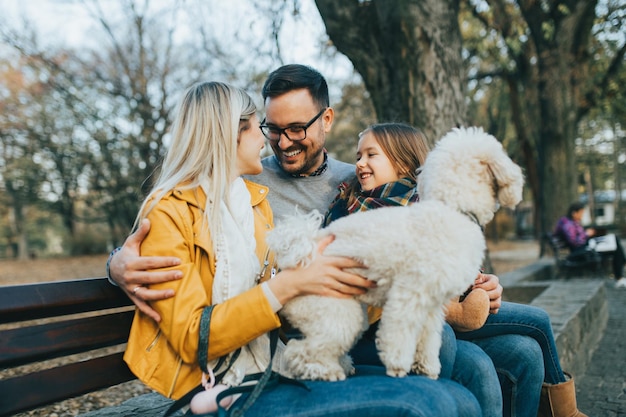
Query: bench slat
x=33 y=342
x=566 y=261
x=51 y=385
x=51 y=340
x=51 y=299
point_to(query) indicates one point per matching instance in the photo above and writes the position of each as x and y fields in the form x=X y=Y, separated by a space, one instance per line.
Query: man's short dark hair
x=294 y=77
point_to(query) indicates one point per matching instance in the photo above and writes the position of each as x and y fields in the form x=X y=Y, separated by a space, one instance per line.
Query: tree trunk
x=520 y=120
x=617 y=203
x=557 y=135
x=557 y=89
x=408 y=53
x=17 y=224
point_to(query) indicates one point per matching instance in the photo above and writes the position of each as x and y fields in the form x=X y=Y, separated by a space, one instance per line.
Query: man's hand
x=131 y=272
x=491 y=284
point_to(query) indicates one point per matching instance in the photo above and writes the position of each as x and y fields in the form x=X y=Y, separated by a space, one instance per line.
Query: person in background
x=204 y=213
x=579 y=240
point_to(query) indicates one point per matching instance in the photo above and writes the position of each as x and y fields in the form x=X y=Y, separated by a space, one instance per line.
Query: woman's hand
x=131 y=272
x=325 y=275
x=491 y=284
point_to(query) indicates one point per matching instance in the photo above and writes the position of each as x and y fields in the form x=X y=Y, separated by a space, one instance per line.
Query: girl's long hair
x=405 y=146
x=203 y=152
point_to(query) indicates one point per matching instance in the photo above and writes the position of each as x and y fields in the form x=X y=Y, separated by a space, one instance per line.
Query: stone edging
x=577 y=307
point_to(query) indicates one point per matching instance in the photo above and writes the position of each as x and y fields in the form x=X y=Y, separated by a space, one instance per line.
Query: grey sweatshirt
x=306 y=193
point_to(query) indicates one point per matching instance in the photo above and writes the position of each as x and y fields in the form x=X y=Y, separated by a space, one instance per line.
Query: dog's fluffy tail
x=293 y=240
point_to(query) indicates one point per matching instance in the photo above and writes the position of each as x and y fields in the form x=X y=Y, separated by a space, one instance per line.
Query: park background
x=87 y=91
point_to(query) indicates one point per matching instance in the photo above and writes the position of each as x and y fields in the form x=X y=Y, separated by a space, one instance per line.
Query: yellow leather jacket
x=165 y=355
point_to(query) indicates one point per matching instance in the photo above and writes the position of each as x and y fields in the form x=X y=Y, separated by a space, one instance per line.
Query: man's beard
x=308 y=166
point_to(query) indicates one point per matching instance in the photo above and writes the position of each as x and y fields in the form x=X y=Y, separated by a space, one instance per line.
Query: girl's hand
x=491 y=284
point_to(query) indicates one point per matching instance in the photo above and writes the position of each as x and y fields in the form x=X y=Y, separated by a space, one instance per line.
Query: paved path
x=602 y=389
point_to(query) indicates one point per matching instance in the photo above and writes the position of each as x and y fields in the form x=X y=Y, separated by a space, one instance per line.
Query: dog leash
x=265 y=380
x=186 y=399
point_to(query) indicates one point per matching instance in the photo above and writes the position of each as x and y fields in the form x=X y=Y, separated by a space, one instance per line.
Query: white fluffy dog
x=420 y=257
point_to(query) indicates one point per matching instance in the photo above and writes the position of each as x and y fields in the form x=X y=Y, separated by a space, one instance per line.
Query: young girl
x=388 y=157
x=205 y=214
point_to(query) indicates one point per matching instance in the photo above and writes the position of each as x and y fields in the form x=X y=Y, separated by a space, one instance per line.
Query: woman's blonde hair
x=404 y=145
x=203 y=152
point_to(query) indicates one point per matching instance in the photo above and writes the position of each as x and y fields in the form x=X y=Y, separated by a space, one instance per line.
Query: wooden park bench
x=566 y=263
x=52 y=320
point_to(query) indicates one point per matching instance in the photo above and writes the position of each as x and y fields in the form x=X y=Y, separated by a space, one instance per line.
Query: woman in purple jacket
x=570 y=229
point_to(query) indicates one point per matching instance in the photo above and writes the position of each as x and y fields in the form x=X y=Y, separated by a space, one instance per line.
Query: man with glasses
x=297 y=118
x=301 y=175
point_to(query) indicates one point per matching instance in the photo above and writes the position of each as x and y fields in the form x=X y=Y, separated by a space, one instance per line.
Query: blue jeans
x=520 y=342
x=370 y=393
x=475 y=370
x=365 y=352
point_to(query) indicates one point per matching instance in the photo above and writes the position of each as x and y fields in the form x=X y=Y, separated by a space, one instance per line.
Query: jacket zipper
x=175 y=379
x=154 y=342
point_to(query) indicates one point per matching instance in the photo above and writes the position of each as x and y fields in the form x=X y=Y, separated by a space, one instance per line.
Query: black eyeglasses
x=293 y=133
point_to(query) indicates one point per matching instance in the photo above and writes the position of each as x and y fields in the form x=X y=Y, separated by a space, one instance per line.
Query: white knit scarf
x=237 y=269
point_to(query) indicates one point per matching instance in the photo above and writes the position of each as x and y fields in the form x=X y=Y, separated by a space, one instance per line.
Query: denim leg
x=525 y=320
x=618 y=260
x=474 y=370
x=519 y=364
x=372 y=394
x=365 y=352
x=448 y=351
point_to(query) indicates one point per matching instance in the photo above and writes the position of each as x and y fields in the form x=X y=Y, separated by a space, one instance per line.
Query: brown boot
x=559 y=400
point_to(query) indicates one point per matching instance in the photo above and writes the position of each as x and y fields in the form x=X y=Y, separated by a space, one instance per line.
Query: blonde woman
x=202 y=212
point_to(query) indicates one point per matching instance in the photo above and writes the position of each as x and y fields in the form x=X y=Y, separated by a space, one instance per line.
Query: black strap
x=203 y=345
x=256 y=389
x=186 y=399
x=183 y=401
x=203 y=351
x=203 y=338
x=266 y=380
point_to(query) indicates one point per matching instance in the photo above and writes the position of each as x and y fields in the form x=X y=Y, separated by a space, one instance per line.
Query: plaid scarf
x=398 y=193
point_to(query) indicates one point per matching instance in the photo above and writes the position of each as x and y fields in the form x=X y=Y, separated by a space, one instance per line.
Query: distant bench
x=27 y=340
x=566 y=263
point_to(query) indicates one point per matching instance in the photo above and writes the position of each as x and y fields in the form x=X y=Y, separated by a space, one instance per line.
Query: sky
x=67 y=22
x=60 y=21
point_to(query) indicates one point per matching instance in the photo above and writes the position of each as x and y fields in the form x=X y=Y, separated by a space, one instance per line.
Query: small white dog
x=420 y=257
